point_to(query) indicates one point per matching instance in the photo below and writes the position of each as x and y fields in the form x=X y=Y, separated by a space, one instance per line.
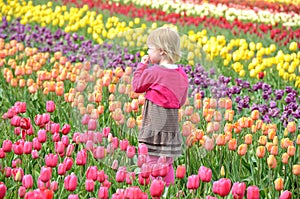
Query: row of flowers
x=277 y=33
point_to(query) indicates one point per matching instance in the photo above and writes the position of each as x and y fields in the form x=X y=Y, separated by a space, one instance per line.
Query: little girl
x=166 y=87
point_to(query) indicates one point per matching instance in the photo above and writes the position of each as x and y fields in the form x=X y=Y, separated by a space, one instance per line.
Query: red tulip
x=7 y=145
x=222 y=187
x=238 y=190
x=180 y=171
x=193 y=182
x=2 y=190
x=50 y=106
x=103 y=193
x=252 y=192
x=92 y=173
x=205 y=174
x=46 y=174
x=51 y=160
x=156 y=188
x=89 y=185
x=27 y=181
x=81 y=157
x=70 y=182
x=286 y=195
x=66 y=129
x=25 y=123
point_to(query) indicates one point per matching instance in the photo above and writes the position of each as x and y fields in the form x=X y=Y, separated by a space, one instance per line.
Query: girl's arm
x=141 y=78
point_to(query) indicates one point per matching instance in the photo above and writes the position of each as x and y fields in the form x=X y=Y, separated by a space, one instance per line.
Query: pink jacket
x=164 y=87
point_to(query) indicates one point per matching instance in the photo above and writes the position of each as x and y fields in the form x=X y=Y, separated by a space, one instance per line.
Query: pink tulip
x=45 y=174
x=7 y=146
x=115 y=165
x=85 y=119
x=193 y=182
x=54 y=128
x=70 y=182
x=70 y=150
x=17 y=131
x=121 y=174
x=11 y=113
x=142 y=180
x=2 y=190
x=92 y=125
x=59 y=147
x=142 y=149
x=145 y=170
x=89 y=185
x=42 y=135
x=238 y=190
x=15 y=121
x=2 y=153
x=61 y=169
x=20 y=107
x=211 y=197
x=54 y=186
x=100 y=176
x=34 y=154
x=27 y=147
x=130 y=176
x=92 y=173
x=180 y=171
x=51 y=160
x=17 y=162
x=56 y=137
x=156 y=188
x=164 y=170
x=45 y=118
x=21 y=191
x=106 y=131
x=18 y=147
x=66 y=129
x=124 y=144
x=253 y=192
x=99 y=152
x=38 y=120
x=36 y=144
x=89 y=145
x=141 y=160
x=7 y=172
x=130 y=151
x=29 y=131
x=50 y=106
x=81 y=157
x=27 y=181
x=73 y=196
x=222 y=187
x=134 y=192
x=69 y=163
x=286 y=195
x=103 y=193
x=115 y=142
x=205 y=174
x=65 y=140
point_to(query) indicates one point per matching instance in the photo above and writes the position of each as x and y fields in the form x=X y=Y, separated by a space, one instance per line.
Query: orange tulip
x=232 y=144
x=255 y=114
x=188 y=110
x=22 y=83
x=209 y=127
x=274 y=150
x=228 y=127
x=130 y=122
x=97 y=97
x=119 y=72
x=213 y=103
x=220 y=141
x=242 y=149
x=100 y=109
x=221 y=103
x=298 y=139
x=291 y=150
x=195 y=118
x=248 y=139
x=262 y=140
x=275 y=140
x=258 y=124
x=285 y=158
x=285 y=143
x=296 y=169
x=112 y=88
x=59 y=90
x=253 y=129
x=291 y=127
x=269 y=146
x=228 y=136
x=14 y=82
x=208 y=143
x=229 y=115
x=272 y=162
x=228 y=103
x=278 y=184
x=134 y=104
x=197 y=103
x=217 y=116
x=260 y=151
x=94 y=114
x=128 y=70
x=141 y=99
x=237 y=128
x=187 y=128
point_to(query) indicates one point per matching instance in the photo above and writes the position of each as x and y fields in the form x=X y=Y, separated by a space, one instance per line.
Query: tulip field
x=70 y=119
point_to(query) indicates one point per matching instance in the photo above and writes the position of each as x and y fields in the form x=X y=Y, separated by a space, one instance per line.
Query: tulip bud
x=156 y=188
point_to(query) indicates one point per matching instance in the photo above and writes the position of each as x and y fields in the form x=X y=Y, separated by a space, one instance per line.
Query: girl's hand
x=145 y=59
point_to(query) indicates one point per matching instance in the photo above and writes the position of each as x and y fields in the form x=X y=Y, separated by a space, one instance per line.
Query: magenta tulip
x=18 y=174
x=27 y=181
x=205 y=174
x=65 y=140
x=55 y=137
x=157 y=188
x=222 y=187
x=18 y=147
x=70 y=182
x=193 y=182
x=69 y=163
x=142 y=180
x=253 y=192
x=130 y=177
x=7 y=172
x=238 y=190
x=55 y=128
x=70 y=149
x=286 y=195
x=50 y=106
x=146 y=170
x=141 y=160
x=59 y=147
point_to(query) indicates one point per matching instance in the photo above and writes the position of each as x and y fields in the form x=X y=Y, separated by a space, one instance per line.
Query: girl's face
x=154 y=55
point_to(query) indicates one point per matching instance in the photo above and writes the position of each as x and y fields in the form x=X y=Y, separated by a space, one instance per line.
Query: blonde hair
x=168 y=40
